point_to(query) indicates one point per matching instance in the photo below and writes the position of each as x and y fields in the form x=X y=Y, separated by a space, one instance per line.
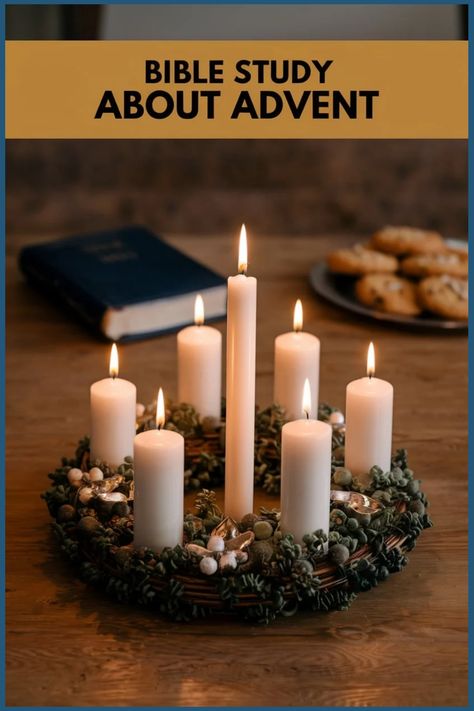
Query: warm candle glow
x=160 y=410
x=243 y=257
x=199 y=311
x=307 y=399
x=114 y=362
x=371 y=361
x=298 y=316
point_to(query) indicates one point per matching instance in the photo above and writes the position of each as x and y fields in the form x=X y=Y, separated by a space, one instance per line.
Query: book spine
x=66 y=293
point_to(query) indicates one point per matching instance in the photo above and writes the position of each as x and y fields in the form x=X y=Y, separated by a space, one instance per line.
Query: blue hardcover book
x=124 y=283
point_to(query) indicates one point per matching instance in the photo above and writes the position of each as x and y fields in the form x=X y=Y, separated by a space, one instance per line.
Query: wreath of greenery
x=93 y=521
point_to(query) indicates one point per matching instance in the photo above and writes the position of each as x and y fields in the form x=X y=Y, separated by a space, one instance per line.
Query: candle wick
x=307 y=414
x=243 y=270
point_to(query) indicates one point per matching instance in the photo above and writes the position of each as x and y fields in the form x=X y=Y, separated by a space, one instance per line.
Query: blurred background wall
x=207 y=186
x=234 y=21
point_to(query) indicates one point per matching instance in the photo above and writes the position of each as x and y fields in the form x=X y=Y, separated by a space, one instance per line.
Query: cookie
x=388 y=293
x=407 y=240
x=358 y=260
x=445 y=296
x=453 y=262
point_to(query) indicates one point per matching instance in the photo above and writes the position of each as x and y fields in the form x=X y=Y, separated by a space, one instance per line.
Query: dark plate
x=339 y=290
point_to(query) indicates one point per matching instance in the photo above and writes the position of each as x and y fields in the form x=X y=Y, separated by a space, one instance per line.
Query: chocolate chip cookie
x=453 y=262
x=407 y=240
x=446 y=296
x=358 y=260
x=388 y=293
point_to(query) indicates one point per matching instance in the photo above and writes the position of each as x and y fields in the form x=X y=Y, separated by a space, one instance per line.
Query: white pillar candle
x=369 y=408
x=296 y=360
x=240 y=397
x=113 y=404
x=159 y=485
x=305 y=474
x=199 y=365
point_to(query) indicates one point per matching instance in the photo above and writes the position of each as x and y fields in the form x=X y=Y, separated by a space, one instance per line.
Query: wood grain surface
x=402 y=644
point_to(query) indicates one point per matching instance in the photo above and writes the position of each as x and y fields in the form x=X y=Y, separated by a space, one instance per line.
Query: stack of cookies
x=405 y=271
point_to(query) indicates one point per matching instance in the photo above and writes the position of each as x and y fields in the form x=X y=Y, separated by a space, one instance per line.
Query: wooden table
x=404 y=643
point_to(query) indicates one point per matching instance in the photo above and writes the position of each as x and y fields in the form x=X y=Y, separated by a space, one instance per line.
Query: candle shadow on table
x=111 y=616
x=121 y=620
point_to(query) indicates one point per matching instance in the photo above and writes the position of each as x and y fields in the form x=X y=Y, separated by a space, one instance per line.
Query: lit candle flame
x=298 y=316
x=114 y=362
x=243 y=256
x=199 y=311
x=371 y=360
x=160 y=410
x=307 y=399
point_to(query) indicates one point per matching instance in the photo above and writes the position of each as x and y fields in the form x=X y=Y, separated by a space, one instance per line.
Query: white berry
x=336 y=418
x=228 y=560
x=215 y=544
x=74 y=476
x=85 y=495
x=208 y=565
x=95 y=474
x=140 y=409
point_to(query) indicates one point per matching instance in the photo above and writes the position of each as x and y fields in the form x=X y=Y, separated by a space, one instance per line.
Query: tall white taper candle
x=240 y=391
x=113 y=406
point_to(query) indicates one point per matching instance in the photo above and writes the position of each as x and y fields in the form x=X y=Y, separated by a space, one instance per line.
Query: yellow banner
x=236 y=89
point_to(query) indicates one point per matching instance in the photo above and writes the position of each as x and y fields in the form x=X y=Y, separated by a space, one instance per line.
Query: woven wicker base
x=202 y=592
